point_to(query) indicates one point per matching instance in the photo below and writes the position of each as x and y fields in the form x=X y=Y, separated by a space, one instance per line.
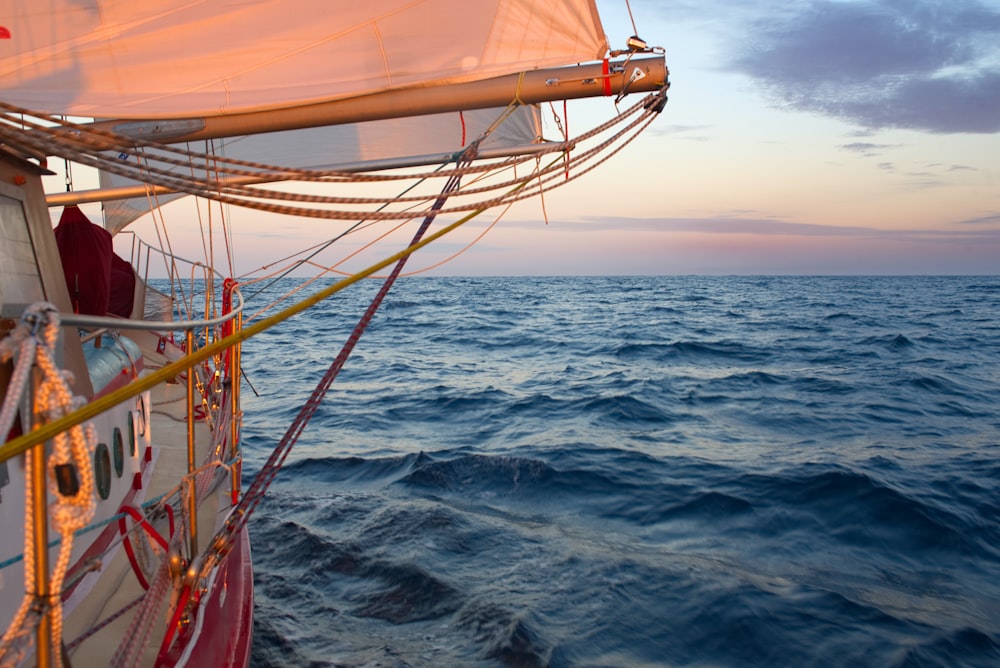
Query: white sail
x=355 y=147
x=225 y=70
x=179 y=59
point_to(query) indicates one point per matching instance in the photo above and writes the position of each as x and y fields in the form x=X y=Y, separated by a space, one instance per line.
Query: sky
x=845 y=137
x=812 y=137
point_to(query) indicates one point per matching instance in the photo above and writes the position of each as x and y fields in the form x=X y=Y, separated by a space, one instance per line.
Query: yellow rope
x=23 y=443
x=517 y=90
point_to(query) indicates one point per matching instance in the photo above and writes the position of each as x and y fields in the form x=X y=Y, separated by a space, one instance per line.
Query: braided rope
x=70 y=511
x=17 y=638
x=81 y=144
x=139 y=633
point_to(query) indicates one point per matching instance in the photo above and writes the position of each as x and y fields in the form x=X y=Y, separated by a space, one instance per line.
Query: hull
x=221 y=634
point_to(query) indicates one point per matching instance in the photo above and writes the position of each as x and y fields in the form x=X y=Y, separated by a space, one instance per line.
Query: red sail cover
x=122 y=287
x=89 y=263
x=86 y=252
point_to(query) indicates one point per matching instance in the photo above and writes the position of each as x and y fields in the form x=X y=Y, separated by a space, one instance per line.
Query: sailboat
x=123 y=508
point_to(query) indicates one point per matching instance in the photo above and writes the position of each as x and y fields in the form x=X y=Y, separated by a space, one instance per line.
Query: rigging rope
x=316 y=251
x=225 y=538
x=652 y=105
x=84 y=144
x=267 y=473
x=628 y=6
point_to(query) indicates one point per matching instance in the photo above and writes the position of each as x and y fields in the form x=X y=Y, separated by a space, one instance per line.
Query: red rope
x=148 y=528
x=255 y=492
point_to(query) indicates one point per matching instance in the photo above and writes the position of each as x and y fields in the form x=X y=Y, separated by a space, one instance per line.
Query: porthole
x=131 y=433
x=102 y=470
x=141 y=416
x=118 y=450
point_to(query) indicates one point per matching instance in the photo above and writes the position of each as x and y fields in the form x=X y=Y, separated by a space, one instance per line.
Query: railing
x=225 y=348
x=39 y=435
x=105 y=322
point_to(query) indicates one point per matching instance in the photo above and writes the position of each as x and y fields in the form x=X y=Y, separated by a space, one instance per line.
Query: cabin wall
x=29 y=259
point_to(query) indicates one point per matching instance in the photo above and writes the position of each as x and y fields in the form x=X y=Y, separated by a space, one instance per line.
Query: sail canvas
x=169 y=59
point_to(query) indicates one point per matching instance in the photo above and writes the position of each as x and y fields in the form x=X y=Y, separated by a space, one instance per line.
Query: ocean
x=634 y=471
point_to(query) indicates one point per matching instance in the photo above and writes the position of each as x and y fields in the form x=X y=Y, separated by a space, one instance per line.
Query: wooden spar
x=638 y=75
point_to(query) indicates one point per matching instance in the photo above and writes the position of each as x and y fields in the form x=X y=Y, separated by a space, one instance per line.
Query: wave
x=720 y=351
x=639 y=471
x=479 y=472
x=505 y=636
x=854 y=508
x=890 y=342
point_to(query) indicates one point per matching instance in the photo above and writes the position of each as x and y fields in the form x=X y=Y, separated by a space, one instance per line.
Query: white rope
x=74 y=448
x=18 y=341
x=17 y=637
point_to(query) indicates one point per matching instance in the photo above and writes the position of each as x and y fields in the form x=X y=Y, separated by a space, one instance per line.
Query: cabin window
x=102 y=470
x=141 y=416
x=132 y=418
x=4 y=478
x=118 y=449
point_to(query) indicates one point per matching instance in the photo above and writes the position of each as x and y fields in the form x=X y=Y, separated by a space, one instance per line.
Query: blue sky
x=832 y=137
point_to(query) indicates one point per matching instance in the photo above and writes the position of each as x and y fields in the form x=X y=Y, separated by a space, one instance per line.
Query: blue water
x=640 y=471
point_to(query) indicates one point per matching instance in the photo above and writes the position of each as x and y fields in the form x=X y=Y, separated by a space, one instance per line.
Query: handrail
x=82 y=320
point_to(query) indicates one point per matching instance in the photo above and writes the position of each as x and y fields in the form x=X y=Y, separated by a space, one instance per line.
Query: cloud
x=699 y=133
x=867 y=149
x=726 y=225
x=982 y=220
x=922 y=65
x=767 y=227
